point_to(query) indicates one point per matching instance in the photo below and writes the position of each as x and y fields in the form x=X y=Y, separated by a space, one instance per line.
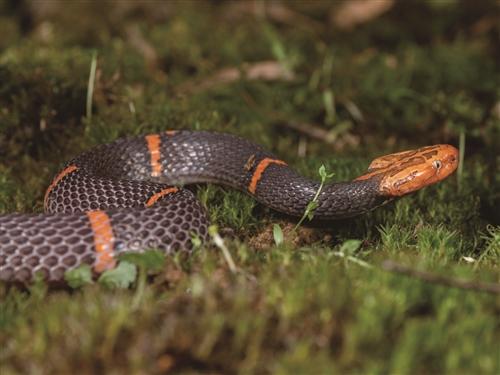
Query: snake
x=129 y=196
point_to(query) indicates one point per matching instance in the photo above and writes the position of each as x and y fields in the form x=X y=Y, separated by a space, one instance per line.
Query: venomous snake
x=125 y=196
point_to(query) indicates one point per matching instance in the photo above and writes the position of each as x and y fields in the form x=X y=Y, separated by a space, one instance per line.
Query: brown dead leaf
x=355 y=12
x=165 y=363
x=263 y=70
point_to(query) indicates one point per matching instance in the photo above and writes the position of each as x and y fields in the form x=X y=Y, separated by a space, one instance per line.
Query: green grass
x=315 y=303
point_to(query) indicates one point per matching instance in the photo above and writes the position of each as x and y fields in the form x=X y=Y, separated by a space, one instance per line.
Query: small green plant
x=196 y=241
x=78 y=277
x=90 y=87
x=131 y=267
x=313 y=204
x=347 y=250
x=151 y=261
x=461 y=156
x=277 y=234
x=492 y=248
x=121 y=277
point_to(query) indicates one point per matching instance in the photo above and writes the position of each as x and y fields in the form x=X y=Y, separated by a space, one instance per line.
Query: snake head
x=408 y=171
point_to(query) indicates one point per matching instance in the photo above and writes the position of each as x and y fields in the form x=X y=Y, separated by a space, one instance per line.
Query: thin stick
x=391 y=266
x=219 y=242
x=316 y=132
x=268 y=70
x=311 y=130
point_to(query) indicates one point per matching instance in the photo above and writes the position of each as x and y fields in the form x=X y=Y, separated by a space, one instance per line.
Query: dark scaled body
x=128 y=183
x=194 y=157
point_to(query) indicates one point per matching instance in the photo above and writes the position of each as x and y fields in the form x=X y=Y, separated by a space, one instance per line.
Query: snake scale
x=127 y=196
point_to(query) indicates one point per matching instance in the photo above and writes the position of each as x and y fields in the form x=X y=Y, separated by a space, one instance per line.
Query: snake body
x=126 y=196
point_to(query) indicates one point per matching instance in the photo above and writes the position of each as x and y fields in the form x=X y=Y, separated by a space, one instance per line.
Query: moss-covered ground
x=423 y=72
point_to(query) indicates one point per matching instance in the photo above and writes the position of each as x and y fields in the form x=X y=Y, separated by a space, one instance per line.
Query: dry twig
x=275 y=11
x=433 y=278
x=313 y=131
x=137 y=40
x=262 y=70
x=321 y=134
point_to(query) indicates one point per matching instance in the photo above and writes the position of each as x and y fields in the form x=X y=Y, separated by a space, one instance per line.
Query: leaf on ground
x=79 y=276
x=277 y=234
x=350 y=246
x=152 y=260
x=120 y=277
x=355 y=12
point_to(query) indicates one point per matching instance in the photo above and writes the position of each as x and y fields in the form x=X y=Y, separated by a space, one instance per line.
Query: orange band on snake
x=154 y=198
x=154 y=142
x=56 y=180
x=261 y=167
x=103 y=240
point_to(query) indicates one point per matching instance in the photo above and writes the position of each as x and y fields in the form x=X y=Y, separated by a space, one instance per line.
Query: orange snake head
x=408 y=171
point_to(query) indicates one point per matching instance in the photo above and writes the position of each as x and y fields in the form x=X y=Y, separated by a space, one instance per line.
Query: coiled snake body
x=124 y=196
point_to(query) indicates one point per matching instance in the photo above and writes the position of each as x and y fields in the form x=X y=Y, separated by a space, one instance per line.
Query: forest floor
x=315 y=86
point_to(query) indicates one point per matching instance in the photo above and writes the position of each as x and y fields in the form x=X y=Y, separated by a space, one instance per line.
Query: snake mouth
x=408 y=171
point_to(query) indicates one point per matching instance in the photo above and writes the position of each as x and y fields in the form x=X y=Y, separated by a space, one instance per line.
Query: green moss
x=421 y=73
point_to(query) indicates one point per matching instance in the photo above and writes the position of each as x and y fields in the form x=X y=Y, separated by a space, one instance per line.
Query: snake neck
x=335 y=200
x=348 y=199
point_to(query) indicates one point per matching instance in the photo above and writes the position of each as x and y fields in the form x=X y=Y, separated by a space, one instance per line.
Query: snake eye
x=437 y=164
